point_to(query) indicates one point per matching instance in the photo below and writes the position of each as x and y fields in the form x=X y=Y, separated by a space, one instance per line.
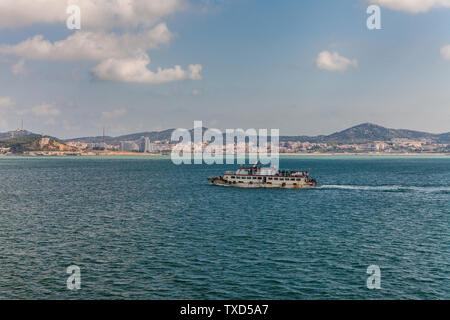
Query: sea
x=376 y=227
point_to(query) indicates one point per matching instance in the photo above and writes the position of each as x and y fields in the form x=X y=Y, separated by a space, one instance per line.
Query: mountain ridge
x=369 y=132
x=362 y=133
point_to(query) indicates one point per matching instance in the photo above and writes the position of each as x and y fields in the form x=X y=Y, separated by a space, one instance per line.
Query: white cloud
x=114 y=113
x=413 y=6
x=121 y=56
x=334 y=62
x=89 y=45
x=19 y=68
x=45 y=110
x=445 y=52
x=100 y=14
x=197 y=92
x=135 y=70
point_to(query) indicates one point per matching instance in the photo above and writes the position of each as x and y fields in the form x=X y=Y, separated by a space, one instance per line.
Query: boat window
x=233 y=177
x=270 y=178
x=275 y=178
x=292 y=179
x=254 y=178
x=259 y=178
x=298 y=179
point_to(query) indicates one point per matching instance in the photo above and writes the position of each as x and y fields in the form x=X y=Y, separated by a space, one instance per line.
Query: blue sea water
x=143 y=228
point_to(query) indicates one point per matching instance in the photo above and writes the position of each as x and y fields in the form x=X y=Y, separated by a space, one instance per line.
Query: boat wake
x=394 y=188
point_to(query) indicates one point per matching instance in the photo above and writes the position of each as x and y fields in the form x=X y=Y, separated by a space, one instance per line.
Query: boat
x=257 y=176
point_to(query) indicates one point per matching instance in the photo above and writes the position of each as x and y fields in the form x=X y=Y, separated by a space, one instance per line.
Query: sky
x=305 y=67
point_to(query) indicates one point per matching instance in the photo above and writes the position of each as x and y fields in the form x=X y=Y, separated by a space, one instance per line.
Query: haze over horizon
x=307 y=68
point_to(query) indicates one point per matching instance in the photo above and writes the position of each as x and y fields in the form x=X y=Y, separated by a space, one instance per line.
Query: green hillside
x=34 y=143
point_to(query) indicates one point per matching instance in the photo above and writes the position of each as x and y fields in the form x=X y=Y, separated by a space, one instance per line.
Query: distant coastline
x=282 y=155
x=367 y=154
x=364 y=139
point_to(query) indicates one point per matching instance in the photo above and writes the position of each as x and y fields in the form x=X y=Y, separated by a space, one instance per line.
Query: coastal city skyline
x=222 y=63
x=366 y=138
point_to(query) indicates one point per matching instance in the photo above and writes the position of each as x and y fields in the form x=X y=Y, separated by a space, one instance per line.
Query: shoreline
x=127 y=154
x=366 y=154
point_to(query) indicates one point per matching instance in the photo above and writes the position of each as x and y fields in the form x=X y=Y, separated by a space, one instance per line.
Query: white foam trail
x=386 y=188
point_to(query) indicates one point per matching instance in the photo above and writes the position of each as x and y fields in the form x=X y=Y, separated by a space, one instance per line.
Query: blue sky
x=255 y=65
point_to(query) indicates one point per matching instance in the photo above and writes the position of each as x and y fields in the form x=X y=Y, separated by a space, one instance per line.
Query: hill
x=363 y=133
x=444 y=137
x=34 y=143
x=368 y=132
x=152 y=135
x=17 y=134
